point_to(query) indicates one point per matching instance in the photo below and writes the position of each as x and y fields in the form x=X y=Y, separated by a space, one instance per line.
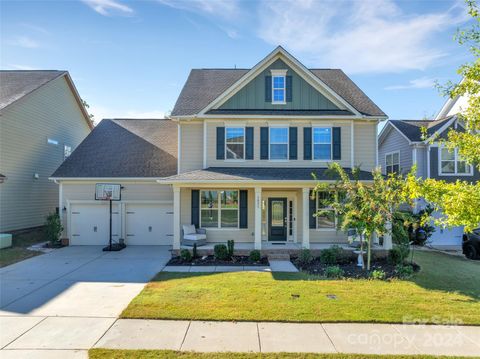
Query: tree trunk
x=361 y=251
x=369 y=252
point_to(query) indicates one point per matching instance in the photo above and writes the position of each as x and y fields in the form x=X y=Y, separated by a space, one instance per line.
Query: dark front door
x=277 y=219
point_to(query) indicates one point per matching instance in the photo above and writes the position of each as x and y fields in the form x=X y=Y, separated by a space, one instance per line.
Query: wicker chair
x=199 y=236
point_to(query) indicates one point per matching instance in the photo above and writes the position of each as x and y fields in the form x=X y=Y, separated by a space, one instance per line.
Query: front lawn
x=169 y=354
x=18 y=251
x=446 y=289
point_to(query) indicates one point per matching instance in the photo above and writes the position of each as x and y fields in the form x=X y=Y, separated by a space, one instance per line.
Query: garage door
x=90 y=224
x=149 y=224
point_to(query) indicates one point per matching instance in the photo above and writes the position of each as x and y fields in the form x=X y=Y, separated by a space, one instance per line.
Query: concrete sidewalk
x=71 y=337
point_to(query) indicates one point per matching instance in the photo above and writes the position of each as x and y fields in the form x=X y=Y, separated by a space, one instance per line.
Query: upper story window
x=392 y=162
x=452 y=164
x=235 y=143
x=279 y=143
x=67 y=151
x=322 y=143
x=219 y=209
x=279 y=86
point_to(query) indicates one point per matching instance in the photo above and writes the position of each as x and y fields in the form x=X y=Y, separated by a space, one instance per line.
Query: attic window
x=279 y=86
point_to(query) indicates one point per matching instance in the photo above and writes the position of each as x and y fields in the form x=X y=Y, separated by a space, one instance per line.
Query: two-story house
x=404 y=143
x=236 y=158
x=42 y=120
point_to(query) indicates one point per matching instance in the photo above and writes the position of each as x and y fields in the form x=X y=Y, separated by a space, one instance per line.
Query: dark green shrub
x=185 y=255
x=255 y=256
x=398 y=254
x=220 y=251
x=53 y=228
x=194 y=251
x=330 y=256
x=404 y=271
x=305 y=257
x=230 y=247
x=334 y=272
x=378 y=274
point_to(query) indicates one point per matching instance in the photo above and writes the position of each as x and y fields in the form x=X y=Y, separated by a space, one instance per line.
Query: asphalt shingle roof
x=261 y=174
x=205 y=85
x=412 y=129
x=125 y=148
x=16 y=84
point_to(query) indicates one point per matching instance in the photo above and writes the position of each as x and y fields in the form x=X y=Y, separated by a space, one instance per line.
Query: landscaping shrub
x=230 y=248
x=185 y=255
x=305 y=257
x=404 y=271
x=334 y=272
x=398 y=254
x=53 y=228
x=194 y=251
x=255 y=256
x=378 y=274
x=220 y=251
x=400 y=233
x=330 y=256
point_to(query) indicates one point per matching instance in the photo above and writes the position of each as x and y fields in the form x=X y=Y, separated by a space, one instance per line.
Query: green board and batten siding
x=304 y=96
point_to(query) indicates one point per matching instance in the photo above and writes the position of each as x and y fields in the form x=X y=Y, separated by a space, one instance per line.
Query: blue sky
x=131 y=58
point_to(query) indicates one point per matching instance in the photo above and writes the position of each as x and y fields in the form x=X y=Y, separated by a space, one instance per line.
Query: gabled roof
x=125 y=148
x=16 y=84
x=205 y=87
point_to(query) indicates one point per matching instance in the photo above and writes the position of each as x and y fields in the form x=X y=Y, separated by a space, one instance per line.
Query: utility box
x=5 y=240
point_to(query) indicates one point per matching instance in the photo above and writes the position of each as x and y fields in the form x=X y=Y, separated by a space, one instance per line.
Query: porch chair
x=191 y=235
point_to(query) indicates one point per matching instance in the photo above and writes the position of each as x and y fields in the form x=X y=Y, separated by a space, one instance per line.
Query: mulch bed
x=212 y=261
x=350 y=269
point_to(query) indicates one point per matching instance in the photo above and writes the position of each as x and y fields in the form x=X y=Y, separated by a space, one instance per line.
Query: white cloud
x=357 y=36
x=24 y=41
x=35 y=28
x=21 y=67
x=220 y=8
x=106 y=7
x=420 y=83
x=101 y=112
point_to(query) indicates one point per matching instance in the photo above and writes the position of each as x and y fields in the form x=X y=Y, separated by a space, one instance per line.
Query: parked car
x=471 y=244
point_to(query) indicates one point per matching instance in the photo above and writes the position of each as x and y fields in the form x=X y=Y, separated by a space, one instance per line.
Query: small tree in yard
x=366 y=207
x=53 y=228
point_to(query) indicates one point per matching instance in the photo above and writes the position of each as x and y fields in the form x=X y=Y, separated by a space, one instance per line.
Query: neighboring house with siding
x=42 y=120
x=236 y=158
x=401 y=144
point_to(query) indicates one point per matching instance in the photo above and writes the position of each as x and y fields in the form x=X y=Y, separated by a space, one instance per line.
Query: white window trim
x=279 y=73
x=391 y=154
x=244 y=144
x=64 y=148
x=279 y=143
x=456 y=156
x=219 y=210
x=331 y=144
x=334 y=229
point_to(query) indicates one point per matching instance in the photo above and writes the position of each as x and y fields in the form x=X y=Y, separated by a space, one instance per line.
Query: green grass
x=18 y=251
x=446 y=289
x=168 y=354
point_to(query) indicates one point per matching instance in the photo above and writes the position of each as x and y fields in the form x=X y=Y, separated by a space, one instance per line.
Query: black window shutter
x=312 y=209
x=293 y=143
x=264 y=143
x=243 y=209
x=249 y=143
x=268 y=88
x=220 y=143
x=288 y=83
x=307 y=143
x=196 y=207
x=337 y=143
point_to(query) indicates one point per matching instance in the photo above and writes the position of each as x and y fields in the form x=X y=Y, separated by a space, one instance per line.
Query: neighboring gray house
x=401 y=144
x=42 y=120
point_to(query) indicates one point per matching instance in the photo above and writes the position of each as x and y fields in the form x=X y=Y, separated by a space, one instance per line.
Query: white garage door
x=90 y=223
x=149 y=224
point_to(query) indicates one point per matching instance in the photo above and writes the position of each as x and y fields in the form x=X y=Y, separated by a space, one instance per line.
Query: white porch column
x=176 y=217
x=387 y=237
x=306 y=218
x=258 y=218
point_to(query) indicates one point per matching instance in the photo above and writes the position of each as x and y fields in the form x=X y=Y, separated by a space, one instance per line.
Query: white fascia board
x=283 y=117
x=111 y=179
x=443 y=128
x=251 y=183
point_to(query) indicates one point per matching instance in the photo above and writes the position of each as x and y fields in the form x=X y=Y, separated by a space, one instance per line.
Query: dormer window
x=279 y=87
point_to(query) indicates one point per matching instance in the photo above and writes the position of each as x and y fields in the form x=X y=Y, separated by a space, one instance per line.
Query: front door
x=277 y=219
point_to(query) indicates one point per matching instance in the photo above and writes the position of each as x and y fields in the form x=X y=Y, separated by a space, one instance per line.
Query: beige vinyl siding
x=49 y=112
x=220 y=235
x=191 y=146
x=257 y=162
x=365 y=145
